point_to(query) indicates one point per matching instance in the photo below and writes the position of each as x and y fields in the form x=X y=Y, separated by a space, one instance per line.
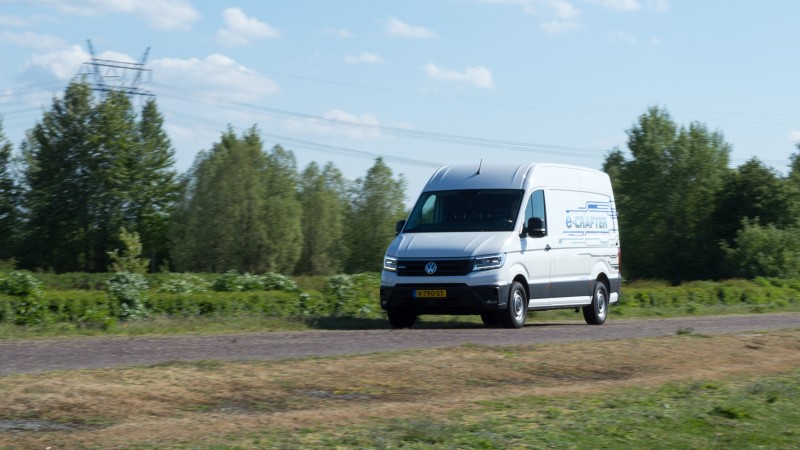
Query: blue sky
x=424 y=83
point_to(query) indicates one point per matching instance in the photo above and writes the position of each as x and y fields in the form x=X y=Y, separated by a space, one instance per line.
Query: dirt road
x=32 y=356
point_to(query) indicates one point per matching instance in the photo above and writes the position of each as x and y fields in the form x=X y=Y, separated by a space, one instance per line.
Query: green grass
x=744 y=413
x=255 y=323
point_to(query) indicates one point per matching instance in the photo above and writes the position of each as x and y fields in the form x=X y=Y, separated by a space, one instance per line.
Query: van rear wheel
x=517 y=310
x=596 y=312
x=401 y=319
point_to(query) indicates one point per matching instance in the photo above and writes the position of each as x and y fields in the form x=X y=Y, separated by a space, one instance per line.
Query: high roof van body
x=499 y=240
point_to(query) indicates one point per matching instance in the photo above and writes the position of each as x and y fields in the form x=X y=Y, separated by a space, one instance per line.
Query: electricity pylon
x=116 y=76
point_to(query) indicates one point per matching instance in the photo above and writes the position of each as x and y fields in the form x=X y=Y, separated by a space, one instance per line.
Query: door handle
x=547 y=248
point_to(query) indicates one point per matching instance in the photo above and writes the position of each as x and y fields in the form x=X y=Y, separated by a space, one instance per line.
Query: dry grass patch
x=211 y=402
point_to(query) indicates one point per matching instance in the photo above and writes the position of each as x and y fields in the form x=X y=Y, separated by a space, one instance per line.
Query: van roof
x=492 y=175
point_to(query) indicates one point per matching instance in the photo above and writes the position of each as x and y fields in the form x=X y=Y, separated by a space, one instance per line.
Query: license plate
x=430 y=293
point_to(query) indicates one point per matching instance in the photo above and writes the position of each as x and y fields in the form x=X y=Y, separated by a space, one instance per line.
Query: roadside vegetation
x=38 y=305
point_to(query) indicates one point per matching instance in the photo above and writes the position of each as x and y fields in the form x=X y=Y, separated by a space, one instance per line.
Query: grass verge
x=699 y=392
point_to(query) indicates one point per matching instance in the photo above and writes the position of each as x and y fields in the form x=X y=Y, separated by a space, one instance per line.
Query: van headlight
x=390 y=263
x=489 y=262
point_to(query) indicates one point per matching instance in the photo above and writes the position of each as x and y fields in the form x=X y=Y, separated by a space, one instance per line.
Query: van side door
x=574 y=221
x=536 y=252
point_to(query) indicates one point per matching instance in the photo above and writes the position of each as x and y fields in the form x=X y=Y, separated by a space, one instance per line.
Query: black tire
x=596 y=312
x=517 y=309
x=401 y=319
x=490 y=319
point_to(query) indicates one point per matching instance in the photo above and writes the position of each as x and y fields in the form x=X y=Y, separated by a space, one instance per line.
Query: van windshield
x=465 y=210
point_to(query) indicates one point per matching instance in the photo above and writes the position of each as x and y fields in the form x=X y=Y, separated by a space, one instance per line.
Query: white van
x=500 y=240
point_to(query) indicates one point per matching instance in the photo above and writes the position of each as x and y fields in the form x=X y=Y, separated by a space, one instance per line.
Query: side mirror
x=536 y=227
x=399 y=227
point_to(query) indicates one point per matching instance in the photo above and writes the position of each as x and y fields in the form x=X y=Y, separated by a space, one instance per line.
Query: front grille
x=444 y=267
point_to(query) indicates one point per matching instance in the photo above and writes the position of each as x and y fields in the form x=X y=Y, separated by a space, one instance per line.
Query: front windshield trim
x=465 y=210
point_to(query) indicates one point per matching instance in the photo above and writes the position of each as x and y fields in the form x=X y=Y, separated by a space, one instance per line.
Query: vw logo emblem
x=430 y=268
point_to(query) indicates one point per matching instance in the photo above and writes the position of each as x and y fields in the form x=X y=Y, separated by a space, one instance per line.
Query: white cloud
x=364 y=57
x=32 y=40
x=63 y=64
x=13 y=21
x=558 y=16
x=623 y=36
x=658 y=6
x=216 y=75
x=242 y=30
x=559 y=26
x=619 y=5
x=398 y=28
x=337 y=123
x=794 y=135
x=477 y=76
x=161 y=14
x=507 y=2
x=339 y=33
x=563 y=9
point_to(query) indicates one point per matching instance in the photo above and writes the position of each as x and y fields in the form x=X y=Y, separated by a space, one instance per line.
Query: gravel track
x=43 y=355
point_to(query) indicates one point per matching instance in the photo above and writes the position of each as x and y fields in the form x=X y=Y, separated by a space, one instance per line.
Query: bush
x=20 y=283
x=351 y=296
x=84 y=309
x=232 y=281
x=127 y=290
x=269 y=303
x=183 y=284
x=26 y=305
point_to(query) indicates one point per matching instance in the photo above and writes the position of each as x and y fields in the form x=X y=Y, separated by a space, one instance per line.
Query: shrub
x=127 y=290
x=27 y=306
x=183 y=284
x=20 y=283
x=84 y=309
x=232 y=281
x=351 y=296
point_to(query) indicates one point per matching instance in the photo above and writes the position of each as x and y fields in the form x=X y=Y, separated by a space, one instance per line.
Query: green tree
x=239 y=210
x=794 y=172
x=220 y=221
x=153 y=183
x=128 y=259
x=92 y=167
x=764 y=250
x=613 y=166
x=9 y=197
x=322 y=196
x=376 y=205
x=665 y=197
x=754 y=192
x=283 y=212
x=60 y=161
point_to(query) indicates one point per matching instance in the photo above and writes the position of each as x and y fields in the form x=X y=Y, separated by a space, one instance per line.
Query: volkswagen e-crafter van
x=501 y=240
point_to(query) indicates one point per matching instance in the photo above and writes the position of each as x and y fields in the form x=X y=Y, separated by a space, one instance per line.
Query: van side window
x=535 y=207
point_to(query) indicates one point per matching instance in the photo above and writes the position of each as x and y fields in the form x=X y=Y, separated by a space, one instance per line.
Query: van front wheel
x=596 y=312
x=517 y=310
x=401 y=319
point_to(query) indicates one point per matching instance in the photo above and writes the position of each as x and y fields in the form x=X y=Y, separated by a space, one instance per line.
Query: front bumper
x=460 y=299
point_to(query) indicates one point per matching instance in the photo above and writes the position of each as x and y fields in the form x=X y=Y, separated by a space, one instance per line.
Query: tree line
x=684 y=214
x=93 y=167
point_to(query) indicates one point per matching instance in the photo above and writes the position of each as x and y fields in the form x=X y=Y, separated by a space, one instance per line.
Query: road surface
x=43 y=355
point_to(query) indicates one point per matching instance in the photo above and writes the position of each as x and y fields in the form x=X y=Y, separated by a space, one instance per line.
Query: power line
x=393 y=131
